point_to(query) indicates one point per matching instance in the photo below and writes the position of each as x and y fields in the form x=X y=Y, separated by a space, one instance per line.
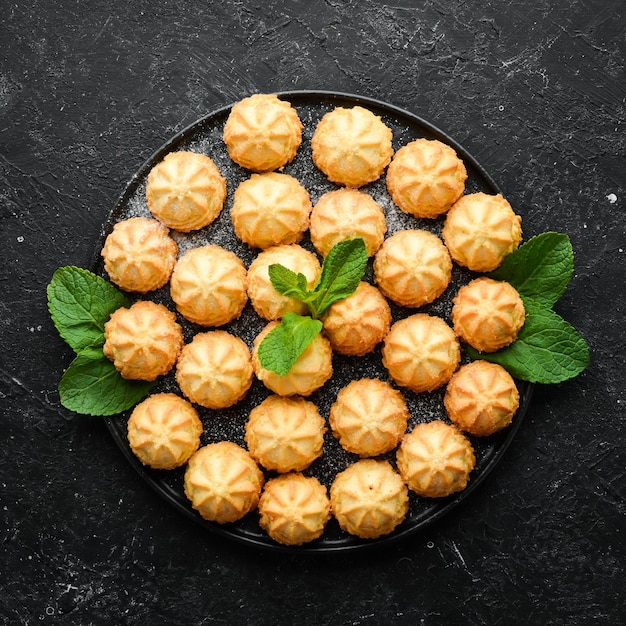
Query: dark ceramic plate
x=206 y=136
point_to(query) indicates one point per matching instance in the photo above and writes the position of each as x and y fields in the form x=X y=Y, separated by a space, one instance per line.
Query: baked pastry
x=358 y=323
x=294 y=509
x=426 y=177
x=487 y=314
x=312 y=369
x=208 y=285
x=345 y=214
x=369 y=499
x=351 y=146
x=421 y=352
x=270 y=209
x=139 y=254
x=223 y=482
x=214 y=369
x=435 y=459
x=480 y=230
x=185 y=191
x=267 y=302
x=413 y=267
x=285 y=434
x=164 y=431
x=369 y=417
x=262 y=133
x=481 y=398
x=143 y=341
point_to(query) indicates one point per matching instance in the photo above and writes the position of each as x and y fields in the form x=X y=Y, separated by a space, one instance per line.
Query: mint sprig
x=548 y=349
x=342 y=270
x=80 y=303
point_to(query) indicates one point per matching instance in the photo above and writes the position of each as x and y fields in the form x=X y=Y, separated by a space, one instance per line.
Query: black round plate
x=205 y=136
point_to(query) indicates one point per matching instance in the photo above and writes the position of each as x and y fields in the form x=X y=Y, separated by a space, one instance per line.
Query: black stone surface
x=536 y=91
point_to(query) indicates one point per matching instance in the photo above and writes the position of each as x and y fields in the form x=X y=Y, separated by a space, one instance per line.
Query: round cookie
x=311 y=370
x=358 y=323
x=294 y=509
x=262 y=133
x=267 y=302
x=223 y=482
x=208 y=285
x=421 y=352
x=488 y=314
x=285 y=433
x=413 y=267
x=369 y=417
x=435 y=459
x=143 y=341
x=139 y=254
x=270 y=209
x=214 y=369
x=345 y=214
x=164 y=431
x=426 y=177
x=352 y=146
x=186 y=191
x=369 y=499
x=480 y=230
x=481 y=398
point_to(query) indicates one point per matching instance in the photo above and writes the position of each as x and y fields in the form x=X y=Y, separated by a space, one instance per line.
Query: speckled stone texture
x=88 y=91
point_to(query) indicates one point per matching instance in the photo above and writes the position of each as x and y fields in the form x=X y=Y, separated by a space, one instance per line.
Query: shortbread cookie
x=186 y=191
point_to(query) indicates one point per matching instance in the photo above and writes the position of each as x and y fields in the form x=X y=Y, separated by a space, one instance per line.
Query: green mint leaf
x=284 y=344
x=287 y=282
x=539 y=269
x=342 y=270
x=547 y=349
x=92 y=386
x=80 y=303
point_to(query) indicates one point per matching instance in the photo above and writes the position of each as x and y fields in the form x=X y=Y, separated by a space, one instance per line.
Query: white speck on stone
x=612 y=198
x=20 y=239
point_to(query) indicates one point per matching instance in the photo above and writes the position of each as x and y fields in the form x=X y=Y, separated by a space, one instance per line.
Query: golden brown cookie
x=164 y=431
x=312 y=369
x=480 y=230
x=208 y=285
x=369 y=417
x=294 y=509
x=358 y=323
x=345 y=214
x=267 y=302
x=285 y=433
x=262 y=133
x=435 y=459
x=139 y=254
x=426 y=177
x=214 y=369
x=421 y=352
x=143 y=341
x=223 y=482
x=487 y=314
x=352 y=146
x=413 y=267
x=270 y=209
x=185 y=191
x=369 y=499
x=481 y=398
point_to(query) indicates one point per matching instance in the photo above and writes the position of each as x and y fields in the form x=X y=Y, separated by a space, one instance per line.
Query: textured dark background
x=536 y=91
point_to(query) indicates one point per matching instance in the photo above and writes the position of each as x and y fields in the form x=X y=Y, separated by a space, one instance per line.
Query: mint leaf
x=342 y=270
x=539 y=269
x=92 y=386
x=547 y=349
x=284 y=344
x=287 y=282
x=80 y=303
